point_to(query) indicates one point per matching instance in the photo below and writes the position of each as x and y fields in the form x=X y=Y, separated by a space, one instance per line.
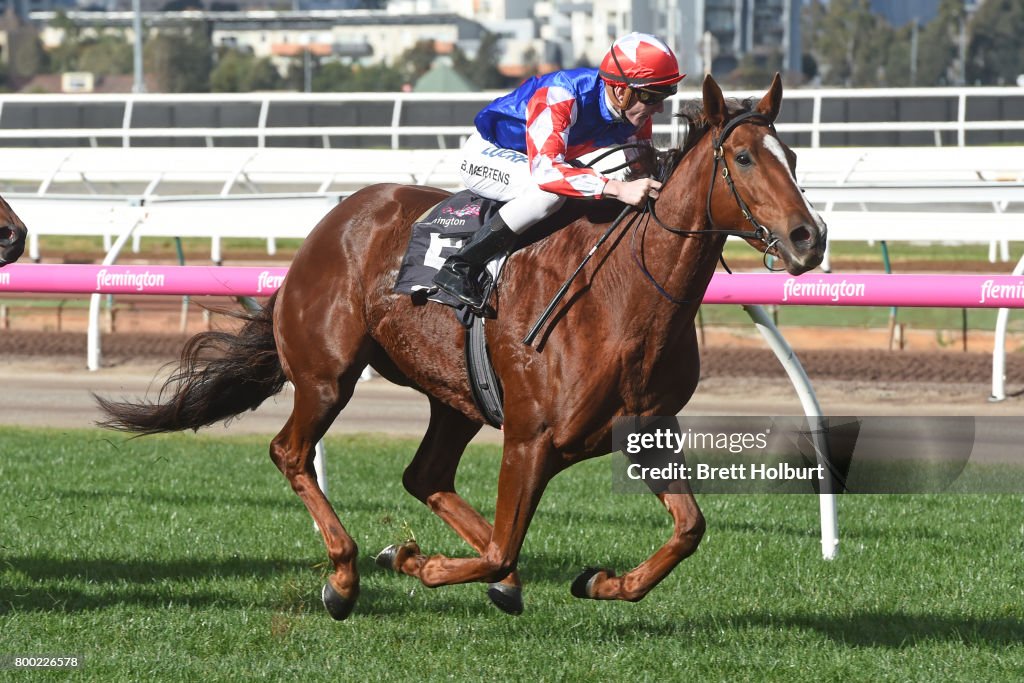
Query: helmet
x=640 y=60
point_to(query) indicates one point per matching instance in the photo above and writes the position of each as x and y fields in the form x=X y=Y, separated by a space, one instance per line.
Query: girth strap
x=484 y=384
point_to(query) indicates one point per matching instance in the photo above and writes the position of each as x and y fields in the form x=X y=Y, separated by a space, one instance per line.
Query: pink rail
x=952 y=291
x=176 y=280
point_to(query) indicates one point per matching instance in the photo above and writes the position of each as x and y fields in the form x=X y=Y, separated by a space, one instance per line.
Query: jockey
x=525 y=141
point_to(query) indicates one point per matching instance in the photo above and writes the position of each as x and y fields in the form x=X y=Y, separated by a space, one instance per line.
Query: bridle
x=760 y=232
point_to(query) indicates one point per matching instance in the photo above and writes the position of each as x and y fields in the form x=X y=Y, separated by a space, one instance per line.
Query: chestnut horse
x=12 y=234
x=617 y=346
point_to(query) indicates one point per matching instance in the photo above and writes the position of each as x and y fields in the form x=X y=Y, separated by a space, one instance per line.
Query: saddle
x=435 y=236
x=442 y=231
x=438 y=234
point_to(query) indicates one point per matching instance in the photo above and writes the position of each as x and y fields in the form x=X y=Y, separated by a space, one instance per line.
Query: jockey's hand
x=634 y=192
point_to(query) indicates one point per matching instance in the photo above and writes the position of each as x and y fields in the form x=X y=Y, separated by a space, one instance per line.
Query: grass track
x=188 y=558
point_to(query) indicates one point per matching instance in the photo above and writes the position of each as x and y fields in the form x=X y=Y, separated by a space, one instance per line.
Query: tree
x=61 y=22
x=995 y=55
x=754 y=72
x=242 y=72
x=937 y=46
x=106 y=55
x=849 y=43
x=482 y=71
x=417 y=60
x=263 y=75
x=896 y=70
x=28 y=57
x=340 y=77
x=181 y=61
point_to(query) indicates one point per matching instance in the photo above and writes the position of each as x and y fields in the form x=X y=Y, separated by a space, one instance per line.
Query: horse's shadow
x=140 y=583
x=272 y=500
x=137 y=582
x=894 y=629
x=128 y=581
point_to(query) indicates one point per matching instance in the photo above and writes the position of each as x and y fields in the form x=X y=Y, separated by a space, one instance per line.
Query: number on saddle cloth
x=437 y=235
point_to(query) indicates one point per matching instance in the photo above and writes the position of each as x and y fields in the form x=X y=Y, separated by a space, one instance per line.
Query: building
x=536 y=35
x=717 y=34
x=367 y=36
x=706 y=35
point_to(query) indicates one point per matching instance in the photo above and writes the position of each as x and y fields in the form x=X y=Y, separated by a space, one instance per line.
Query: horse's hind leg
x=430 y=477
x=318 y=400
x=688 y=529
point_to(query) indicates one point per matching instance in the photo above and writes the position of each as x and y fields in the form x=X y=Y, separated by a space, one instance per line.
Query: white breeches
x=504 y=175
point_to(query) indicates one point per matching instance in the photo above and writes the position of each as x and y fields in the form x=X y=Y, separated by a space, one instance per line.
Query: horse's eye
x=743 y=159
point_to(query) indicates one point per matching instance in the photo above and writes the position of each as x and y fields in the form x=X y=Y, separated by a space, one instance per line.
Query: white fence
x=927 y=194
x=915 y=194
x=811 y=118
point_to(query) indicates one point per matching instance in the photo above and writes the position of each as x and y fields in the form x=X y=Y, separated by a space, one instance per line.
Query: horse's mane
x=652 y=162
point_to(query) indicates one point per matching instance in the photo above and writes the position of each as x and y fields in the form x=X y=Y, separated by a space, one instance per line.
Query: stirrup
x=457 y=285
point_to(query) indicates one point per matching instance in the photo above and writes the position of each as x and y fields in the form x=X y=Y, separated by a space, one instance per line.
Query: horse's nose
x=10 y=233
x=806 y=237
x=12 y=243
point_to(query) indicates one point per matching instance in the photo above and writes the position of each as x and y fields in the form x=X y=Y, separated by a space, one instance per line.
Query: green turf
x=189 y=559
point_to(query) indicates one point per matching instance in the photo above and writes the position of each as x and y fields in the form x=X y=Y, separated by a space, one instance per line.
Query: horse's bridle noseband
x=760 y=232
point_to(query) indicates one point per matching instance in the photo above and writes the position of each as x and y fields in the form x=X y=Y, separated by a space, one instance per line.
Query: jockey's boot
x=459 y=276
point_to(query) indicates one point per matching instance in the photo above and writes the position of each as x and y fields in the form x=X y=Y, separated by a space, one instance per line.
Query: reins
x=760 y=232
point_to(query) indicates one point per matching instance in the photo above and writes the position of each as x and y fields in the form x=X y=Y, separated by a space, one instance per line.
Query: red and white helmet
x=640 y=60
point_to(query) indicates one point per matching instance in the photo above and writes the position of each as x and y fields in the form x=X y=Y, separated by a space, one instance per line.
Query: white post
x=809 y=401
x=93 y=357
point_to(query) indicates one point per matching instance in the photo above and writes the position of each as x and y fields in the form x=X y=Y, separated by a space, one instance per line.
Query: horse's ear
x=772 y=100
x=714 y=102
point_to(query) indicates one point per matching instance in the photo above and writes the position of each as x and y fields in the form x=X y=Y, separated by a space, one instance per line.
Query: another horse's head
x=757 y=187
x=12 y=235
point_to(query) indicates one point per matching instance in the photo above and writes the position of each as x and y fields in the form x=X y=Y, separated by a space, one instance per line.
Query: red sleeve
x=550 y=114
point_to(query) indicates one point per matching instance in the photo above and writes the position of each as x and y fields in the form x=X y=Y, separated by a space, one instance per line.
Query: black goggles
x=655 y=95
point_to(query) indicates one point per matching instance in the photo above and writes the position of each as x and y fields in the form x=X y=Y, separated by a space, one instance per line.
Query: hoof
x=386 y=558
x=337 y=606
x=581 y=587
x=509 y=599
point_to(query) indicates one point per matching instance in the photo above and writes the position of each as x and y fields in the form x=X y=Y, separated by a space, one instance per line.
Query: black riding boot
x=459 y=276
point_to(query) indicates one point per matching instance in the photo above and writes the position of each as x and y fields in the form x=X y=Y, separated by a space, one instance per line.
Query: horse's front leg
x=526 y=468
x=688 y=529
x=430 y=477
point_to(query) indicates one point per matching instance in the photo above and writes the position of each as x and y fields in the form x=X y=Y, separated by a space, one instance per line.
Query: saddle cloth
x=436 y=236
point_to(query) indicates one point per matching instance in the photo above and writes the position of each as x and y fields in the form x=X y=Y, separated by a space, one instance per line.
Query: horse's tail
x=219 y=375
